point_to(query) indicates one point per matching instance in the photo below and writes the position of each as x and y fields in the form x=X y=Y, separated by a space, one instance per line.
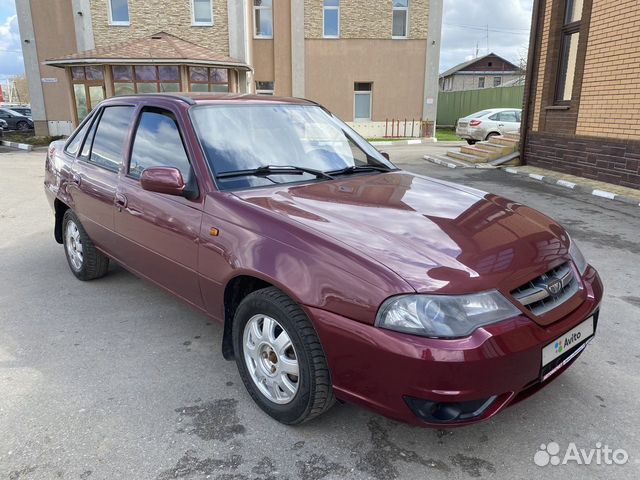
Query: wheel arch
x=60 y=209
x=236 y=289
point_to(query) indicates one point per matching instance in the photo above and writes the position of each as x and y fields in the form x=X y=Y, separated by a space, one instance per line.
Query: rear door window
x=110 y=137
x=158 y=144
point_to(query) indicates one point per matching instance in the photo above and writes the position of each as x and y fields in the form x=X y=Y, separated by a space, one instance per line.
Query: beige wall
x=610 y=98
x=282 y=47
x=366 y=18
x=537 y=96
x=396 y=68
x=263 y=63
x=52 y=22
x=152 y=16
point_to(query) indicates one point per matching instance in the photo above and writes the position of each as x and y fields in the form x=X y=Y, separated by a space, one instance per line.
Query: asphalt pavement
x=115 y=379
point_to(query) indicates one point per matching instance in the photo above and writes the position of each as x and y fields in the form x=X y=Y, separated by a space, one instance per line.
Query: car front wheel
x=85 y=261
x=279 y=357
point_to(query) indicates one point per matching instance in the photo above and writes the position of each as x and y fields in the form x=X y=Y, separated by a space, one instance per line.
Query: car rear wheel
x=280 y=359
x=471 y=142
x=85 y=261
x=22 y=126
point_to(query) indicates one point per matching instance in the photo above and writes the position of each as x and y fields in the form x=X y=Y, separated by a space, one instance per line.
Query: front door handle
x=121 y=201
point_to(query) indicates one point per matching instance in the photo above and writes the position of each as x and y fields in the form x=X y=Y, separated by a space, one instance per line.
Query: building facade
x=582 y=94
x=369 y=62
x=483 y=72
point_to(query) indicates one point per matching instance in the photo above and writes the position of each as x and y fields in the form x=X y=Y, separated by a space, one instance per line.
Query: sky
x=10 y=51
x=464 y=28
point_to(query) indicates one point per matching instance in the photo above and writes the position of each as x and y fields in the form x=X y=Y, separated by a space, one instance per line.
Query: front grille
x=536 y=295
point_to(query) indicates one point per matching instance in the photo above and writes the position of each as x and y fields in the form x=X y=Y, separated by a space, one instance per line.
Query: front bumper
x=388 y=371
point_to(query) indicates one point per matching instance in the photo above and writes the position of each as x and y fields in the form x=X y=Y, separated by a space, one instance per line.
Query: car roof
x=198 y=98
x=494 y=110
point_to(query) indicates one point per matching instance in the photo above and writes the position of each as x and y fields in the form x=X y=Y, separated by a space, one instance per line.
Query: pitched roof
x=159 y=48
x=462 y=65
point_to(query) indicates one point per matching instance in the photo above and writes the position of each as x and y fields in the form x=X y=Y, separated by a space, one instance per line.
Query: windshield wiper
x=267 y=170
x=359 y=168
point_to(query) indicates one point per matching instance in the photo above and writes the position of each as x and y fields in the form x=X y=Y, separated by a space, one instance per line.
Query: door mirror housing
x=166 y=180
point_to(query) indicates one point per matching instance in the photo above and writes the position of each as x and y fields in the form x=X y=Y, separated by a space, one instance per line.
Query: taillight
x=474 y=123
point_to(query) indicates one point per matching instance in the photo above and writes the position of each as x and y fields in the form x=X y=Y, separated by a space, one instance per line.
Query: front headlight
x=577 y=256
x=444 y=316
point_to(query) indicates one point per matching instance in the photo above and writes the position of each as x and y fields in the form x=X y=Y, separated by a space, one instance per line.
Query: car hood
x=438 y=236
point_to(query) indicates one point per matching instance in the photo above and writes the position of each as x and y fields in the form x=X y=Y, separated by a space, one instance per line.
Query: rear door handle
x=121 y=201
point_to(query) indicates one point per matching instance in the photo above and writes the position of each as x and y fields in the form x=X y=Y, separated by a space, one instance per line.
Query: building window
x=264 y=88
x=569 y=50
x=202 y=13
x=497 y=81
x=262 y=19
x=119 y=12
x=331 y=19
x=203 y=79
x=400 y=18
x=129 y=79
x=480 y=82
x=362 y=101
x=88 y=88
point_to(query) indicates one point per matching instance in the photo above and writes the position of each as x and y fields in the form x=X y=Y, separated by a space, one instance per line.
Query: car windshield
x=243 y=138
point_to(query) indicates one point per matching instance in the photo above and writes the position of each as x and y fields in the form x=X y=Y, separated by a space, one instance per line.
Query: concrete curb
x=575 y=186
x=413 y=141
x=443 y=163
x=21 y=146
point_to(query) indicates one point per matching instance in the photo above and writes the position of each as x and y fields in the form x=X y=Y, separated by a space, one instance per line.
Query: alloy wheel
x=271 y=359
x=73 y=244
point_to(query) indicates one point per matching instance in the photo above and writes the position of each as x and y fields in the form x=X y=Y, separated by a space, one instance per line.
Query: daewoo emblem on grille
x=554 y=286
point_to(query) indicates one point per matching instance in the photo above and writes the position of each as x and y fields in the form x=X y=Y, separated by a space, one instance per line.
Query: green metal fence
x=454 y=105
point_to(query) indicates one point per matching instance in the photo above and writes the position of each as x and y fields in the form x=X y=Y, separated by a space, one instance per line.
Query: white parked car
x=482 y=125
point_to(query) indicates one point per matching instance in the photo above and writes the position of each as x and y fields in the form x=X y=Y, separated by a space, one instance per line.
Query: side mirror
x=163 y=180
x=385 y=155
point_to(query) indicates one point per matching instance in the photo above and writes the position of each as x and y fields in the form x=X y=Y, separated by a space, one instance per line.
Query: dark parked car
x=334 y=273
x=14 y=120
x=26 y=111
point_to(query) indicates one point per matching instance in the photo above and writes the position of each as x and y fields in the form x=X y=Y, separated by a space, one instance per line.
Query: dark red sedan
x=334 y=273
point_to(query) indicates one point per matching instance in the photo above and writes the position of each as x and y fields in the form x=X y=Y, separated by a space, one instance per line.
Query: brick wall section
x=152 y=16
x=367 y=19
x=613 y=161
x=542 y=61
x=610 y=98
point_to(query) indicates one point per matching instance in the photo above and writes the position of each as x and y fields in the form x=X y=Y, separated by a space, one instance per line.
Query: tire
x=22 y=126
x=313 y=394
x=85 y=262
x=471 y=142
x=492 y=134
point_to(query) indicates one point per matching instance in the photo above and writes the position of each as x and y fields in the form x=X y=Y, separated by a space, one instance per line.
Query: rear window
x=73 y=146
x=481 y=113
